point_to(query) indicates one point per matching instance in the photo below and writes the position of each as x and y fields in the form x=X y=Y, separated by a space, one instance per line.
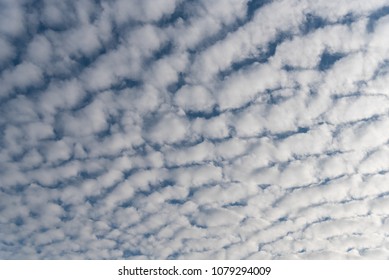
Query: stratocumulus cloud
x=174 y=129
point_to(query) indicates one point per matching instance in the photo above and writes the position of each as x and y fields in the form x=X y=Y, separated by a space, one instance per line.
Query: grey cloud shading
x=194 y=129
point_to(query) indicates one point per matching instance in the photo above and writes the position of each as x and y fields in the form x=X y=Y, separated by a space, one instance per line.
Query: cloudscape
x=181 y=129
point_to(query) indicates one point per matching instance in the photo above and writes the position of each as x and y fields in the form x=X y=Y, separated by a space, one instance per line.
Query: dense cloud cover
x=173 y=129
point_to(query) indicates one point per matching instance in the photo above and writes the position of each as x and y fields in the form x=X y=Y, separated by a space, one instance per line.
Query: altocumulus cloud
x=173 y=129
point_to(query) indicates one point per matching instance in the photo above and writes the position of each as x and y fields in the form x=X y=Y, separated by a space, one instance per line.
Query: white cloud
x=243 y=87
x=57 y=151
x=87 y=121
x=22 y=76
x=169 y=129
x=217 y=218
x=195 y=154
x=354 y=109
x=144 y=11
x=7 y=51
x=194 y=98
x=215 y=128
x=198 y=175
x=12 y=18
x=40 y=51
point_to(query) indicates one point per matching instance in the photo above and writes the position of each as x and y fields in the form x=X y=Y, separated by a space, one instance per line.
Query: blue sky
x=177 y=129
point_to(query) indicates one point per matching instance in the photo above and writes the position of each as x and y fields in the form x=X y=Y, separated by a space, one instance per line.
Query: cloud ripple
x=194 y=130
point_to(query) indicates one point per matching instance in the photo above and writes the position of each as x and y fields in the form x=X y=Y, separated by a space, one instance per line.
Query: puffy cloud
x=143 y=11
x=214 y=128
x=169 y=129
x=194 y=154
x=12 y=18
x=39 y=51
x=194 y=98
x=20 y=77
x=7 y=51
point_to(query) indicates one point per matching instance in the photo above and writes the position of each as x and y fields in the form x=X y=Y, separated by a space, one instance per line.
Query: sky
x=182 y=129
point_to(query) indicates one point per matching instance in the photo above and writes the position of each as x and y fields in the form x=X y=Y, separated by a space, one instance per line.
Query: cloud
x=143 y=11
x=169 y=129
x=195 y=99
x=194 y=130
x=7 y=51
x=20 y=77
x=12 y=19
